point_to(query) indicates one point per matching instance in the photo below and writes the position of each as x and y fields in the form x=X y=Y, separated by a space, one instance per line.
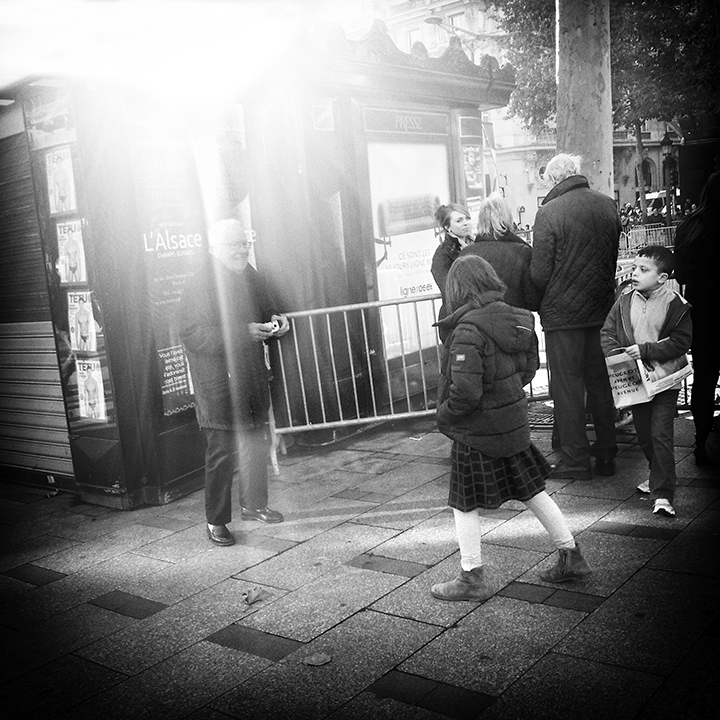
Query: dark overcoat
x=227 y=367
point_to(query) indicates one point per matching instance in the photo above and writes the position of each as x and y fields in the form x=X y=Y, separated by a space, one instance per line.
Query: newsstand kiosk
x=335 y=166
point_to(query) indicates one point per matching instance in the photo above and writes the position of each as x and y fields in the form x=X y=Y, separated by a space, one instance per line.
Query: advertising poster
x=61 y=182
x=91 y=391
x=172 y=239
x=408 y=181
x=48 y=119
x=83 y=332
x=71 y=253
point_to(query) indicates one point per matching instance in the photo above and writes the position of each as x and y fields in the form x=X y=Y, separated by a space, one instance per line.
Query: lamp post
x=666 y=145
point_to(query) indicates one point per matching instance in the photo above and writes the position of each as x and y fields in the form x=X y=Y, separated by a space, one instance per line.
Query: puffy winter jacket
x=575 y=249
x=490 y=354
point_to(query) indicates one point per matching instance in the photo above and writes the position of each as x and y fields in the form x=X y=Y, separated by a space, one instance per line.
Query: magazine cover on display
x=91 y=391
x=71 y=253
x=61 y=181
x=83 y=330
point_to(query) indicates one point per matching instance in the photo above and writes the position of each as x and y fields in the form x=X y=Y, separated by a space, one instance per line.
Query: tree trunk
x=584 y=102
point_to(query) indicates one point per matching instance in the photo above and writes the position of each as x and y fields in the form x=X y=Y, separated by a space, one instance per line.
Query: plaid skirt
x=478 y=481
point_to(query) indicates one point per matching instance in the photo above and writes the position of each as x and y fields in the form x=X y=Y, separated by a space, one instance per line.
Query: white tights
x=468 y=528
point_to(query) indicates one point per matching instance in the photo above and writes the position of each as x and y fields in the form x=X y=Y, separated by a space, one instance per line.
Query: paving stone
x=525 y=531
x=177 y=546
x=128 y=604
x=405 y=478
x=407 y=510
x=692 y=691
x=69 y=592
x=361 y=649
x=575 y=601
x=189 y=576
x=316 y=607
x=255 y=642
x=494 y=645
x=527 y=592
x=308 y=522
x=639 y=627
x=55 y=688
x=176 y=687
x=34 y=574
x=564 y=688
x=59 y=636
x=370 y=561
x=150 y=641
x=85 y=554
x=11 y=587
x=316 y=557
x=32 y=550
x=378 y=464
x=427 y=542
x=366 y=706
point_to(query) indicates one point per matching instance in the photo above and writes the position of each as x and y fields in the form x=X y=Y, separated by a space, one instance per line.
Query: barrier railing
x=635 y=238
x=361 y=363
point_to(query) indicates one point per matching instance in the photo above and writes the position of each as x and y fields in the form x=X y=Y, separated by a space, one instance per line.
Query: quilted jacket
x=490 y=354
x=575 y=249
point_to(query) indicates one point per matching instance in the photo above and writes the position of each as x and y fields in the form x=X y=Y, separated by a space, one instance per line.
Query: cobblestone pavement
x=134 y=614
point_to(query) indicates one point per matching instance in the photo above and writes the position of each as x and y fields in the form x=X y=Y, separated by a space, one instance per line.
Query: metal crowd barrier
x=635 y=238
x=362 y=363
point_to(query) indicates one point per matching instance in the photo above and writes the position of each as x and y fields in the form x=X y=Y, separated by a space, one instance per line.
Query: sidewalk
x=111 y=614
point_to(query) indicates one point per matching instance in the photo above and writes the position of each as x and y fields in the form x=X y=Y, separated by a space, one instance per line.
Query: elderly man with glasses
x=225 y=315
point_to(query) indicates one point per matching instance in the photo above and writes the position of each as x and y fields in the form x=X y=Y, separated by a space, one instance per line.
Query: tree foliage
x=665 y=59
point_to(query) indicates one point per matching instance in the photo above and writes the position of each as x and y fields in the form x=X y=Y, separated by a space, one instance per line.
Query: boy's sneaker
x=644 y=487
x=662 y=506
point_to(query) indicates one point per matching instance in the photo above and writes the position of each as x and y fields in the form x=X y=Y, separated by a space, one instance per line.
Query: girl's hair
x=442 y=214
x=495 y=217
x=470 y=277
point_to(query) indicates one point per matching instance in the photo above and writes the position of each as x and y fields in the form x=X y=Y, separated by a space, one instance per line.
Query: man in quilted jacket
x=575 y=248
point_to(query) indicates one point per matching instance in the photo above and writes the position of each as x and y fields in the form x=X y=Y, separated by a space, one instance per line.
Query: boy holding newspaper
x=651 y=323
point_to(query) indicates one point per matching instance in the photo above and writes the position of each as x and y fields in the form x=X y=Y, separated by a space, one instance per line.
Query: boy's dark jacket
x=490 y=354
x=675 y=335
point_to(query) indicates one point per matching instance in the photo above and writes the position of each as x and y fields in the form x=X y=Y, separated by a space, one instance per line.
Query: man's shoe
x=220 y=535
x=663 y=506
x=561 y=471
x=469 y=585
x=644 y=487
x=605 y=467
x=265 y=515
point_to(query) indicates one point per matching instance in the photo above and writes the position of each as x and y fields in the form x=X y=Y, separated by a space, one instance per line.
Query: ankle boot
x=469 y=585
x=571 y=565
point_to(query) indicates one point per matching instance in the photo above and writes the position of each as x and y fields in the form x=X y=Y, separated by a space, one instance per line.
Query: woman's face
x=460 y=225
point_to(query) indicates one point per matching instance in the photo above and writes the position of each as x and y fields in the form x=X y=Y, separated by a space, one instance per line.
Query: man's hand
x=283 y=325
x=277 y=327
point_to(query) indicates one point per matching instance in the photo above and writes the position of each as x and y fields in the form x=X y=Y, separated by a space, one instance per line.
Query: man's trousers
x=240 y=454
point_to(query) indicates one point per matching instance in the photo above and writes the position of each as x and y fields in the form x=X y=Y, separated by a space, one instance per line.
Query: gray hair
x=562 y=166
x=494 y=216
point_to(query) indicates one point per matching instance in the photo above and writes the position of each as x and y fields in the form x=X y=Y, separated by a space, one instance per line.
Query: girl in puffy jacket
x=489 y=355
